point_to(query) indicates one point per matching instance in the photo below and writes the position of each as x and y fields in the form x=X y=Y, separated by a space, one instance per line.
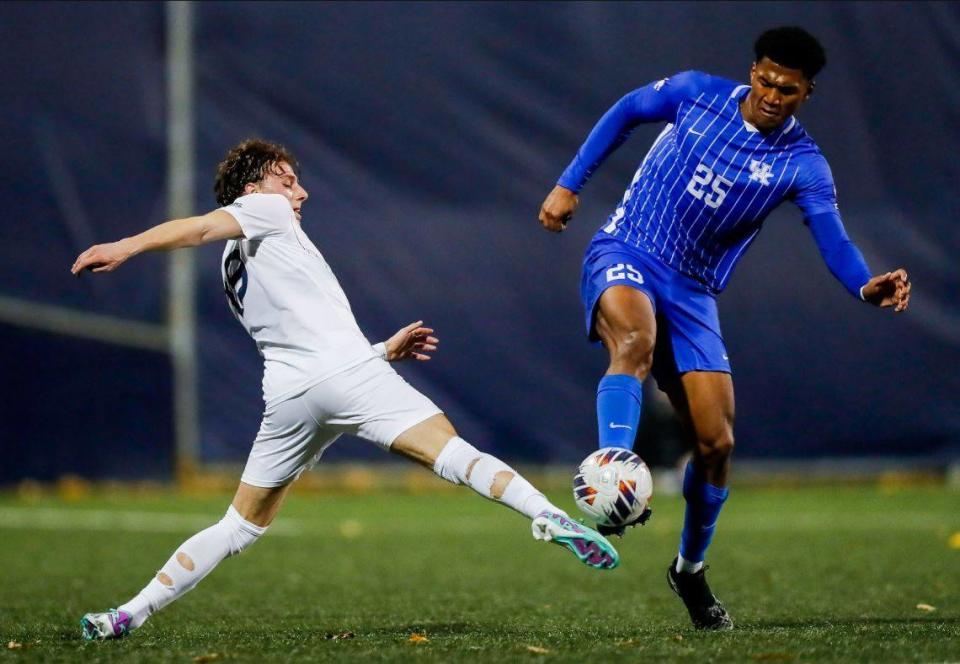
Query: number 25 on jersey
x=708 y=187
x=622 y=271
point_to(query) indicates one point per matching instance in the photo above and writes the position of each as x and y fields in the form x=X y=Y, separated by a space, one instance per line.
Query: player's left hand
x=889 y=290
x=411 y=342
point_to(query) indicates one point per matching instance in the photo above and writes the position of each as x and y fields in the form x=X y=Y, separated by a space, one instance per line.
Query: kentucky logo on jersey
x=760 y=172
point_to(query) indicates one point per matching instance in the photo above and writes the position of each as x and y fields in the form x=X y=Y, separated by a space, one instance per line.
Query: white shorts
x=371 y=401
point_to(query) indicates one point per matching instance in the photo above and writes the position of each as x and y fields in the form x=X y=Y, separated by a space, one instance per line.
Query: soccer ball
x=612 y=486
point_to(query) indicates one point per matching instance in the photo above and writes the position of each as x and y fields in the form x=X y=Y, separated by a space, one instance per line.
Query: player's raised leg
x=626 y=324
x=435 y=444
x=251 y=512
x=705 y=403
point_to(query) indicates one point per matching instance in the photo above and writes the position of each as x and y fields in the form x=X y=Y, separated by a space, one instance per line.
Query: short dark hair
x=791 y=47
x=248 y=162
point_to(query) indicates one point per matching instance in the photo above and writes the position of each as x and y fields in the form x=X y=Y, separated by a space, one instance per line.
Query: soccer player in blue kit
x=728 y=155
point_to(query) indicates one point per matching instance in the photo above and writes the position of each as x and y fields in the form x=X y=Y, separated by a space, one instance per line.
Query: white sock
x=462 y=463
x=193 y=560
x=687 y=566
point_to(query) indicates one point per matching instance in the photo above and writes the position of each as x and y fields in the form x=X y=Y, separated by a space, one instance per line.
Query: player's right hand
x=102 y=258
x=558 y=209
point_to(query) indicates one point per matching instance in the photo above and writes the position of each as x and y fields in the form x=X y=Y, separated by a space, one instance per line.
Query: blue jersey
x=702 y=192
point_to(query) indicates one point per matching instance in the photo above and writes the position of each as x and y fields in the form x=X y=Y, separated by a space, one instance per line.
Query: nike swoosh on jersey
x=620 y=426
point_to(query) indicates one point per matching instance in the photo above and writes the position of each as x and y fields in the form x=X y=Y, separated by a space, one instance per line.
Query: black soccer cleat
x=606 y=531
x=706 y=611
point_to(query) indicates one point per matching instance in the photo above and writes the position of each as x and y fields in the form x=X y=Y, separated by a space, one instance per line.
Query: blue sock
x=618 y=410
x=703 y=508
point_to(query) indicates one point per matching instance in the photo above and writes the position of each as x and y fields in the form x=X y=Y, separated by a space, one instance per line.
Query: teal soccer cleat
x=588 y=545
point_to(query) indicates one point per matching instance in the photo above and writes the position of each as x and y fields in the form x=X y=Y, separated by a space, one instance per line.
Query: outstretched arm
x=412 y=341
x=189 y=232
x=816 y=196
x=657 y=102
x=845 y=261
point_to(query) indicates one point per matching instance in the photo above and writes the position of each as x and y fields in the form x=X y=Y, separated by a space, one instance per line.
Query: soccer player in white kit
x=322 y=378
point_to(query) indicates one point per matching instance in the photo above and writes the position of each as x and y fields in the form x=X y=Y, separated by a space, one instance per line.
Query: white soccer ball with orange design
x=613 y=486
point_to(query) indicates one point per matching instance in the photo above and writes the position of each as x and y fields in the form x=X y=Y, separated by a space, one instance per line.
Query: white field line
x=47 y=518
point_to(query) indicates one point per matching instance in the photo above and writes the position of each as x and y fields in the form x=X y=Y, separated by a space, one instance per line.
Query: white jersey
x=287 y=298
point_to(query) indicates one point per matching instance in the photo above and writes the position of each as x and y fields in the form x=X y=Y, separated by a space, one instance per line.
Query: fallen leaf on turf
x=954 y=541
x=538 y=650
x=350 y=529
x=418 y=638
x=678 y=637
x=926 y=607
x=339 y=636
x=209 y=657
x=14 y=645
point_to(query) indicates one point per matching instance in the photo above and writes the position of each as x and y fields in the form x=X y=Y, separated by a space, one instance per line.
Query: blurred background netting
x=429 y=134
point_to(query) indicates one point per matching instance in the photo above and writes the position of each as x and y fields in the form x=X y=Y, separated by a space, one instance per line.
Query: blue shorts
x=688 y=326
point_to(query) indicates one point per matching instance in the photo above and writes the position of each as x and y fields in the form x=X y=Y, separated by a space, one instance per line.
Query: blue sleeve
x=839 y=253
x=815 y=192
x=656 y=102
x=816 y=196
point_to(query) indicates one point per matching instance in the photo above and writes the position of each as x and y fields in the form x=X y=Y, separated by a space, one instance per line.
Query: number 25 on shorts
x=622 y=271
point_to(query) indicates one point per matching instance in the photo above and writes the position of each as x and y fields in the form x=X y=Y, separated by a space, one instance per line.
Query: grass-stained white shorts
x=370 y=400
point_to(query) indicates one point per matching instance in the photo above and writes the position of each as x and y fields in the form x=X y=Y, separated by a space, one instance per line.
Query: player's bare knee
x=165 y=580
x=635 y=349
x=716 y=449
x=500 y=482
x=186 y=562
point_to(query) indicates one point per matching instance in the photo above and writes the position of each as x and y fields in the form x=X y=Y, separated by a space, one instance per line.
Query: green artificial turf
x=819 y=574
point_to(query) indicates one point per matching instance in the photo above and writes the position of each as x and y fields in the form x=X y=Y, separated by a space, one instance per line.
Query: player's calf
x=460 y=462
x=715 y=452
x=191 y=562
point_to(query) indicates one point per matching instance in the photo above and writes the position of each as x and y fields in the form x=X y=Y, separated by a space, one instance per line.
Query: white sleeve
x=261 y=215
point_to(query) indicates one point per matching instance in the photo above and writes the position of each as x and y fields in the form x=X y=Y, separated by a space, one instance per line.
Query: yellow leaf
x=926 y=607
x=954 y=541
x=418 y=638
x=14 y=645
x=350 y=529
x=538 y=650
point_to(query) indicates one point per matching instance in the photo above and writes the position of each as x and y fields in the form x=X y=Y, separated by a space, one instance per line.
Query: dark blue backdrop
x=429 y=134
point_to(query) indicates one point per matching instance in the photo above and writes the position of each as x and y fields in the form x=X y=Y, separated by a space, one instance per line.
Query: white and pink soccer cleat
x=109 y=625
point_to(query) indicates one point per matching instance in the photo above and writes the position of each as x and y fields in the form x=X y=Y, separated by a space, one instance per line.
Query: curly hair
x=792 y=47
x=248 y=162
